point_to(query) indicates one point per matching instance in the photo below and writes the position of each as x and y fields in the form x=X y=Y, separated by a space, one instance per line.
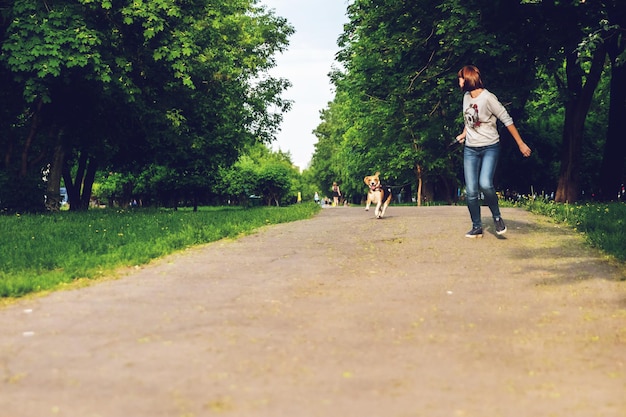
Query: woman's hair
x=471 y=75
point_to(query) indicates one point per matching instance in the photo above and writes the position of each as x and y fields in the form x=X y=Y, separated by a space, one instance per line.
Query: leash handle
x=456 y=142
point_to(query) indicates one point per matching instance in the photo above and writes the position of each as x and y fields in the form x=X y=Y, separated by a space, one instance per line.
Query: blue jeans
x=479 y=165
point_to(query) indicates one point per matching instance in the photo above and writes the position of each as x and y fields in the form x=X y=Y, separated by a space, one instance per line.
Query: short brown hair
x=471 y=75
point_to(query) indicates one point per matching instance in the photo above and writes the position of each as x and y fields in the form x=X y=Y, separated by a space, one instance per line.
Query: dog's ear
x=377 y=174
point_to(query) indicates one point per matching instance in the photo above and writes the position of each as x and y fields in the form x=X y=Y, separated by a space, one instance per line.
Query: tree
x=273 y=182
x=381 y=48
x=577 y=81
x=330 y=162
x=397 y=90
x=238 y=182
x=613 y=168
x=396 y=93
x=261 y=172
x=165 y=82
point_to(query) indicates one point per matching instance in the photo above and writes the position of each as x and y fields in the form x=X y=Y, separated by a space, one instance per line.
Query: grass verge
x=602 y=224
x=42 y=252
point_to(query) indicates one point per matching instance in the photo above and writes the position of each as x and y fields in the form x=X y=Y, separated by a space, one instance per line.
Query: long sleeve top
x=481 y=115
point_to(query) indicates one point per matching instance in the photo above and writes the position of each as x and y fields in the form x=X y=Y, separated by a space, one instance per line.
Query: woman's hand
x=524 y=149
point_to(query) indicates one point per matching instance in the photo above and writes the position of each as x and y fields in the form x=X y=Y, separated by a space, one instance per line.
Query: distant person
x=481 y=111
x=316 y=197
x=336 y=194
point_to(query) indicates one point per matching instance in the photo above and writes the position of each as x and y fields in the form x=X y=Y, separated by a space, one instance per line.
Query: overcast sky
x=307 y=62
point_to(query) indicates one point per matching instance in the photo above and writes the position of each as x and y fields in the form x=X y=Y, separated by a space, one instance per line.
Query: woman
x=481 y=111
x=336 y=194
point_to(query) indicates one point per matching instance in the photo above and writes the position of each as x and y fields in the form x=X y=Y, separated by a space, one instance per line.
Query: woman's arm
x=523 y=148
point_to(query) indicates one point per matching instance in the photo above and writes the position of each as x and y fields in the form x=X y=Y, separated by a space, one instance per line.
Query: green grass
x=603 y=225
x=41 y=252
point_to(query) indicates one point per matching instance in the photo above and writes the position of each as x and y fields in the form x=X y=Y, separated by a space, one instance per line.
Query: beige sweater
x=481 y=115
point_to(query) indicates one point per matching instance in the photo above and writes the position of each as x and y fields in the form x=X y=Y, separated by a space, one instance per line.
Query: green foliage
x=24 y=195
x=47 y=41
x=307 y=185
x=397 y=95
x=397 y=103
x=114 y=186
x=129 y=86
x=47 y=250
x=543 y=129
x=261 y=172
x=239 y=181
x=274 y=181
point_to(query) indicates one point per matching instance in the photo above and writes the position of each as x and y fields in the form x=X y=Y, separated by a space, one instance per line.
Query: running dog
x=377 y=194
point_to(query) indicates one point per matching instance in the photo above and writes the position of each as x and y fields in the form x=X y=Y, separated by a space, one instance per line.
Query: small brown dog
x=377 y=194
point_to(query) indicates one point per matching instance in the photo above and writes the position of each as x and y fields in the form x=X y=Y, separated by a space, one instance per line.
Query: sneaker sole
x=473 y=236
x=501 y=232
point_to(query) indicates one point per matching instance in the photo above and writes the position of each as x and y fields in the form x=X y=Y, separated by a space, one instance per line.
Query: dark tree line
x=553 y=63
x=169 y=94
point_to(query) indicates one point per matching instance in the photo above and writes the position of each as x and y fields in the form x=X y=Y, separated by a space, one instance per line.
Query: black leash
x=450 y=145
x=397 y=186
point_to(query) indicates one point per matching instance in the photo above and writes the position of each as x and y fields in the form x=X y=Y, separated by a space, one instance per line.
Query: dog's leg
x=384 y=209
x=385 y=204
x=378 y=211
x=367 y=204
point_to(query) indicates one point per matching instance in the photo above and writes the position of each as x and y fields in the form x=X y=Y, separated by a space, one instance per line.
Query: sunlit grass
x=39 y=252
x=602 y=224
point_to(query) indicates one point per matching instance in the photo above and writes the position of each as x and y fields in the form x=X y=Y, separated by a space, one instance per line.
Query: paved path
x=338 y=316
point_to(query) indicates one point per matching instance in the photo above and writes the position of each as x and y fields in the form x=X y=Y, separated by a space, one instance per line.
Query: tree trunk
x=567 y=190
x=614 y=158
x=34 y=127
x=420 y=183
x=79 y=189
x=73 y=186
x=90 y=177
x=576 y=109
x=53 y=190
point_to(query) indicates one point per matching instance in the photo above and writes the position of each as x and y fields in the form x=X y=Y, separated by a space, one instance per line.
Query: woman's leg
x=490 y=155
x=471 y=167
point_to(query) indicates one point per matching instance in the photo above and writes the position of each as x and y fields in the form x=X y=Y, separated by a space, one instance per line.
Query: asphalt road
x=341 y=315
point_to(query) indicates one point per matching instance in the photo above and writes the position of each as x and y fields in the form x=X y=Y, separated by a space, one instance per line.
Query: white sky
x=307 y=62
